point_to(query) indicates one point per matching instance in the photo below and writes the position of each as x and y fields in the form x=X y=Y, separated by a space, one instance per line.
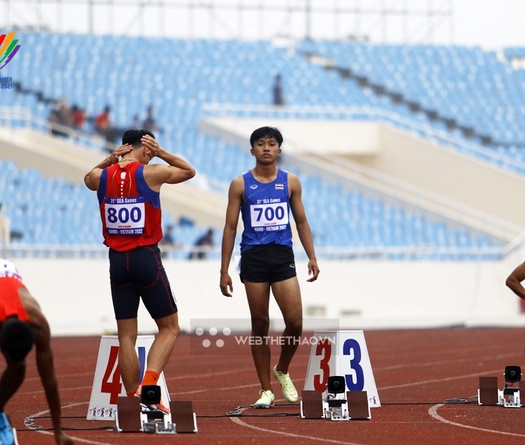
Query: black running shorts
x=137 y=274
x=267 y=263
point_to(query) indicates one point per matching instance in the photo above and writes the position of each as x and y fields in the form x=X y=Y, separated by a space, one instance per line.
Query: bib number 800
x=125 y=216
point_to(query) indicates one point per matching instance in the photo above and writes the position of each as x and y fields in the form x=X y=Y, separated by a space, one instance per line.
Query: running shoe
x=266 y=399
x=289 y=391
x=151 y=406
x=6 y=431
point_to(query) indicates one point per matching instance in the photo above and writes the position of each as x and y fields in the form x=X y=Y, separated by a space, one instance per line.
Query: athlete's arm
x=514 y=280
x=301 y=222
x=44 y=362
x=178 y=170
x=235 y=195
x=92 y=178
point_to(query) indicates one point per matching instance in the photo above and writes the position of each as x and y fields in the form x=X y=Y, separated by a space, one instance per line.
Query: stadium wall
x=75 y=294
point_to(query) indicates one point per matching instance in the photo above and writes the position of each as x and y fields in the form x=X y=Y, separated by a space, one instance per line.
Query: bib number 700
x=355 y=379
x=268 y=214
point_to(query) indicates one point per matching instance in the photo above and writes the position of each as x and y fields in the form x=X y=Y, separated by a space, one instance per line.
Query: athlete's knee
x=294 y=327
x=260 y=325
x=174 y=331
x=171 y=329
x=16 y=339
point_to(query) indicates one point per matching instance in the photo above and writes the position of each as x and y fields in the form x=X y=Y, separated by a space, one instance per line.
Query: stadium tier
x=467 y=89
x=54 y=212
x=472 y=94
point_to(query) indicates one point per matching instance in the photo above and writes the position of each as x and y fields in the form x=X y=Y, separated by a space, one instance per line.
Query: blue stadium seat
x=180 y=76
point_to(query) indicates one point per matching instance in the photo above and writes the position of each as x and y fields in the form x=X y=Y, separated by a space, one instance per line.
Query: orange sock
x=150 y=378
x=131 y=393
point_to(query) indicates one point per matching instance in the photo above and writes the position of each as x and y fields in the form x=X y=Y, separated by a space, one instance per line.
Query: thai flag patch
x=279 y=186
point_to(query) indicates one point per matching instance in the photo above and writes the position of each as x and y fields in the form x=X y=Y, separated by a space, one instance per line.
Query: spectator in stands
x=168 y=236
x=131 y=186
x=135 y=123
x=204 y=242
x=79 y=118
x=278 y=95
x=60 y=118
x=168 y=241
x=150 y=123
x=104 y=126
x=264 y=196
x=54 y=121
x=22 y=325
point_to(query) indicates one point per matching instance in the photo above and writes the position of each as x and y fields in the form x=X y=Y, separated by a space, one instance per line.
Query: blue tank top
x=265 y=212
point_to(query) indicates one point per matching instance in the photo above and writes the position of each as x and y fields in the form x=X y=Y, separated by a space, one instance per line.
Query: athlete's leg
x=287 y=293
x=127 y=356
x=16 y=340
x=258 y=295
x=164 y=342
x=12 y=377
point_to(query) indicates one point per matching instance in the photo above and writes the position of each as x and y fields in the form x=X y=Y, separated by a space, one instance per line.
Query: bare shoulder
x=293 y=182
x=155 y=168
x=237 y=184
x=36 y=316
x=157 y=174
x=292 y=177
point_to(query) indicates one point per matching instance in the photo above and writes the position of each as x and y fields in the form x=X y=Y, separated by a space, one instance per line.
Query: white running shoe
x=289 y=391
x=266 y=399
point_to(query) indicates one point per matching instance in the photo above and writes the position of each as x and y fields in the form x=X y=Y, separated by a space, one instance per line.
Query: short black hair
x=266 y=132
x=133 y=137
x=16 y=339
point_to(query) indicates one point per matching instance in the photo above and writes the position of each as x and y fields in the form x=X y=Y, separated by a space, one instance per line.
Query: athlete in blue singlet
x=264 y=196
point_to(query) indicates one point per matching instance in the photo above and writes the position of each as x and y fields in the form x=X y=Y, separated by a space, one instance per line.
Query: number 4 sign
x=342 y=353
x=107 y=385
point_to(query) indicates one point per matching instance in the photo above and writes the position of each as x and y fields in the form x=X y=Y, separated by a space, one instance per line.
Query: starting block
x=133 y=417
x=107 y=383
x=488 y=391
x=334 y=403
x=489 y=394
x=511 y=398
x=341 y=358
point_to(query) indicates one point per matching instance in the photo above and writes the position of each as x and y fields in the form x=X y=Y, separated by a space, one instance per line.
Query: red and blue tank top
x=130 y=210
x=10 y=282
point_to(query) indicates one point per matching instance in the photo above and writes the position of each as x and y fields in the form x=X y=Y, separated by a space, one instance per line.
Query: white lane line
x=444 y=379
x=49 y=433
x=283 y=433
x=433 y=413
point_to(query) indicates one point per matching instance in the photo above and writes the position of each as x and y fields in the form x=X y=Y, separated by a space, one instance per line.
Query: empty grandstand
x=406 y=152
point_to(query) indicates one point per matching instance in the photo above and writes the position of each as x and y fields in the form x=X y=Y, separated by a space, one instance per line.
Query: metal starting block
x=132 y=417
x=337 y=407
x=510 y=398
x=489 y=394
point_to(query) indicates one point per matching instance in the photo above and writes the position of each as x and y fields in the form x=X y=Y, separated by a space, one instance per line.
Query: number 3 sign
x=342 y=353
x=107 y=385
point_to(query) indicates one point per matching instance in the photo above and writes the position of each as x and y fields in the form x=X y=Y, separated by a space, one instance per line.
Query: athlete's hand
x=151 y=144
x=313 y=270
x=118 y=152
x=226 y=285
x=62 y=439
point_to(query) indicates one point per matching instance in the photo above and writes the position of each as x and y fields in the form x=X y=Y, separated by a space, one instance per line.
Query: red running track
x=417 y=372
